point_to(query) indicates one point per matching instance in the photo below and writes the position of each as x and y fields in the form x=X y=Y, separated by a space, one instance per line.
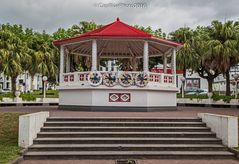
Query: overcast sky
x=167 y=14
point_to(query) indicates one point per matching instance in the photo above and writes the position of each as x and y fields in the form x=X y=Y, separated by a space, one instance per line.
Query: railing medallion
x=141 y=79
x=95 y=78
x=110 y=79
x=126 y=79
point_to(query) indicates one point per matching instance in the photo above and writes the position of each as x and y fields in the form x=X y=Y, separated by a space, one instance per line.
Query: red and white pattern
x=168 y=79
x=119 y=97
x=71 y=78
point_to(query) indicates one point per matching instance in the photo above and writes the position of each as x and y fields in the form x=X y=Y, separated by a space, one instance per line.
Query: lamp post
x=236 y=76
x=44 y=78
x=183 y=80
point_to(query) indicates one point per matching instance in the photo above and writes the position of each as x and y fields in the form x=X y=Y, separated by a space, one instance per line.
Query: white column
x=146 y=57
x=109 y=65
x=173 y=65
x=164 y=63
x=134 y=63
x=61 y=63
x=94 y=55
x=98 y=62
x=68 y=62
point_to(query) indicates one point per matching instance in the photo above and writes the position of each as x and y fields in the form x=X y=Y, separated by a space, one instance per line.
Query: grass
x=33 y=95
x=49 y=94
x=9 y=149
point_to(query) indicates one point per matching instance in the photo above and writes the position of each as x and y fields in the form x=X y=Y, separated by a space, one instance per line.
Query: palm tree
x=12 y=51
x=44 y=56
x=185 y=59
x=225 y=46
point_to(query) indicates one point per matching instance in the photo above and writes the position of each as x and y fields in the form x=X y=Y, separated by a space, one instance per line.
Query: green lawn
x=9 y=149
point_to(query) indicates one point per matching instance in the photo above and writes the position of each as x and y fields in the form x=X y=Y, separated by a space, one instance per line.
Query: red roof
x=119 y=29
x=116 y=29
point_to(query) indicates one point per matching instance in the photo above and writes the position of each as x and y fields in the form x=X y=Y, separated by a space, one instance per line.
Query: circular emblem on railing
x=95 y=78
x=110 y=79
x=141 y=79
x=126 y=79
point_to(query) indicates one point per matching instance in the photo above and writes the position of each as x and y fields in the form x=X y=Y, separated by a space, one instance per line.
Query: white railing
x=82 y=77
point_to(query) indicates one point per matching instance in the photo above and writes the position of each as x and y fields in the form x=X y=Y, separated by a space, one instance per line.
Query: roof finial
x=117 y=19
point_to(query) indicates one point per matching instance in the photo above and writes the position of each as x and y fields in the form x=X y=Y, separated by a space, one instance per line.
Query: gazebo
x=117 y=89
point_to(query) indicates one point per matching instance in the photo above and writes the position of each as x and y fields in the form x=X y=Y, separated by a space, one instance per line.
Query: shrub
x=9 y=95
x=216 y=97
x=227 y=99
x=28 y=97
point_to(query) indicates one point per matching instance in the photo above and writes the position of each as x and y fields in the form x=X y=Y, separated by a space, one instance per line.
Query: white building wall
x=5 y=82
x=189 y=77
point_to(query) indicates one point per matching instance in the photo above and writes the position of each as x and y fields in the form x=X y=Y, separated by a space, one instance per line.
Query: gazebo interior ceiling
x=119 y=48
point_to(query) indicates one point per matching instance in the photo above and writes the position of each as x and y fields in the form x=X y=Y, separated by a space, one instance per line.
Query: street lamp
x=235 y=76
x=183 y=80
x=44 y=78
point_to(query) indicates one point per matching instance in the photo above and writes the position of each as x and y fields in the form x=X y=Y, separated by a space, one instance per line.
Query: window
x=193 y=83
x=7 y=85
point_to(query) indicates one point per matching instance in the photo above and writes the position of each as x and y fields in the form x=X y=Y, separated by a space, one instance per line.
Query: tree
x=205 y=62
x=44 y=54
x=225 y=47
x=185 y=59
x=61 y=33
x=158 y=32
x=12 y=51
x=82 y=27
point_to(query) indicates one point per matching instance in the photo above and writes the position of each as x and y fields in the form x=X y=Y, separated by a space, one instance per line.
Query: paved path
x=139 y=162
x=181 y=112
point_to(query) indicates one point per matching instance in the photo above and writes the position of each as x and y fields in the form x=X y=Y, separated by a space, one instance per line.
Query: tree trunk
x=32 y=81
x=210 y=81
x=13 y=80
x=25 y=81
x=184 y=73
x=228 y=92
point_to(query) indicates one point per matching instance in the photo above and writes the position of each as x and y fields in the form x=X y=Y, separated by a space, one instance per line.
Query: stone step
x=129 y=155
x=126 y=119
x=127 y=147
x=134 y=140
x=124 y=129
x=127 y=134
x=126 y=138
x=130 y=124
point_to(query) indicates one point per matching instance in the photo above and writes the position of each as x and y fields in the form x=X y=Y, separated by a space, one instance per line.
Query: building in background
x=193 y=80
x=24 y=82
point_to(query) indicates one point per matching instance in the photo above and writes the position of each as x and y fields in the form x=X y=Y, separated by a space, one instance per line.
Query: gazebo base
x=116 y=109
x=117 y=99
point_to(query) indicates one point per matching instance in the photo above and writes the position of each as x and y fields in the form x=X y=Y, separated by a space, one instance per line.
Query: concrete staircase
x=126 y=138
